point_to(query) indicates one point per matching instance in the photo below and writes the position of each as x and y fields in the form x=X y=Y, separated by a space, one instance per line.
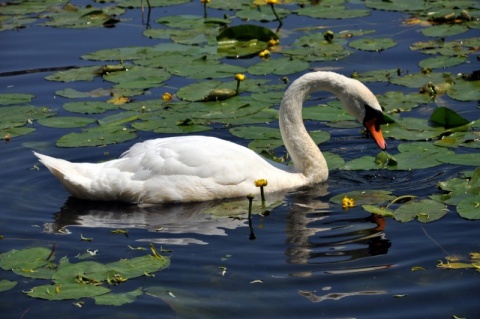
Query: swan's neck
x=305 y=154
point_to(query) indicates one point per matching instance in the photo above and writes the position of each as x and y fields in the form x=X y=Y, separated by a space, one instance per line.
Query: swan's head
x=372 y=120
x=363 y=105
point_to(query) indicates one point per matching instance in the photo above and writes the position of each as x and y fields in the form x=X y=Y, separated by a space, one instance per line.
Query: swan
x=201 y=168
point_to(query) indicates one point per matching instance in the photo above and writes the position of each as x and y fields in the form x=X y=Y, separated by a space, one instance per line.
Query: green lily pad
x=444 y=30
x=27 y=259
x=471 y=159
x=464 y=90
x=367 y=197
x=118 y=299
x=66 y=121
x=244 y=40
x=15 y=98
x=71 y=16
x=331 y=12
x=247 y=32
x=87 y=73
x=393 y=102
x=138 y=77
x=7 y=285
x=381 y=211
x=261 y=13
x=153 y=3
x=442 y=62
x=97 y=136
x=66 y=291
x=280 y=66
x=373 y=44
x=469 y=207
x=89 y=107
x=425 y=211
x=419 y=79
x=447 y=118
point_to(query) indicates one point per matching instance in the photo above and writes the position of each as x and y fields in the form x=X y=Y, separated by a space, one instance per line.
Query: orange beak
x=376 y=133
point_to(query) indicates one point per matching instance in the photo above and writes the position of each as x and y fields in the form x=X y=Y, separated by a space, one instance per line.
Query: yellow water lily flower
x=347 y=202
x=240 y=77
x=166 y=96
x=261 y=182
x=264 y=54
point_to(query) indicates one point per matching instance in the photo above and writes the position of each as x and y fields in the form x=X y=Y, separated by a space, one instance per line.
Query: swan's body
x=200 y=168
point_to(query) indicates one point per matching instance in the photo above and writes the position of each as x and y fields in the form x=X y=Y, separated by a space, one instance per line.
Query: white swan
x=200 y=168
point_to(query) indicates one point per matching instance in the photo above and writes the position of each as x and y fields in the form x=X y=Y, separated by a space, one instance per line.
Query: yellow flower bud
x=264 y=54
x=270 y=1
x=272 y=42
x=166 y=96
x=347 y=202
x=240 y=77
x=261 y=182
x=205 y=1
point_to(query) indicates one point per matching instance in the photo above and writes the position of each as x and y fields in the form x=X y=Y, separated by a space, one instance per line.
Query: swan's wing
x=211 y=158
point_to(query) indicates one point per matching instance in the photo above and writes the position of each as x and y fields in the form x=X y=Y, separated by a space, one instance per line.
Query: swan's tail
x=75 y=177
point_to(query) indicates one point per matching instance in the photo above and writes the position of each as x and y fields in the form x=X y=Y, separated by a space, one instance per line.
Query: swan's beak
x=376 y=132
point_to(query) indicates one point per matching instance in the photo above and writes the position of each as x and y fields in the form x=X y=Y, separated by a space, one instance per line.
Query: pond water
x=310 y=258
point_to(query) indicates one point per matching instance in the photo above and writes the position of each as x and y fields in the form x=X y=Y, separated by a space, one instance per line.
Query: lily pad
x=331 y=12
x=464 y=90
x=97 y=136
x=89 y=107
x=87 y=73
x=30 y=258
x=442 y=62
x=18 y=98
x=7 y=285
x=138 y=77
x=280 y=66
x=444 y=30
x=469 y=207
x=118 y=299
x=66 y=121
x=373 y=44
x=425 y=211
x=66 y=291
x=367 y=197
x=447 y=118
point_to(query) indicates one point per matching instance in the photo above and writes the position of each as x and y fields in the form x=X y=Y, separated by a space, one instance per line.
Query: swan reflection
x=316 y=232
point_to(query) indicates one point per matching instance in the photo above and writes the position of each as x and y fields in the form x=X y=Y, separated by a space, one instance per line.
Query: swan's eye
x=371 y=113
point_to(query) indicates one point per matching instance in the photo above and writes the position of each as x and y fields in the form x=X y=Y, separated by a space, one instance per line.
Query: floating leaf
x=89 y=107
x=465 y=90
x=331 y=12
x=373 y=44
x=118 y=299
x=7 y=285
x=462 y=159
x=444 y=30
x=447 y=118
x=12 y=98
x=66 y=121
x=97 y=136
x=469 y=207
x=425 y=211
x=381 y=211
x=26 y=259
x=67 y=291
x=442 y=62
x=87 y=73
x=247 y=32
x=368 y=197
x=280 y=66
x=138 y=77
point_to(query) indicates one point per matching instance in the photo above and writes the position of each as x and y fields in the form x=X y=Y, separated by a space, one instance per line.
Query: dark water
x=314 y=259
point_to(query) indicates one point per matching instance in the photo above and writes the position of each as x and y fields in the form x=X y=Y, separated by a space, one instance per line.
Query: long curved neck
x=306 y=156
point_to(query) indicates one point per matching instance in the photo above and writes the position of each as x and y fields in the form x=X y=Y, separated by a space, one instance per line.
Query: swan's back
x=179 y=169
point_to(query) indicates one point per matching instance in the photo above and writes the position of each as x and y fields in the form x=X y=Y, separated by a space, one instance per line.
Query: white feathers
x=200 y=168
